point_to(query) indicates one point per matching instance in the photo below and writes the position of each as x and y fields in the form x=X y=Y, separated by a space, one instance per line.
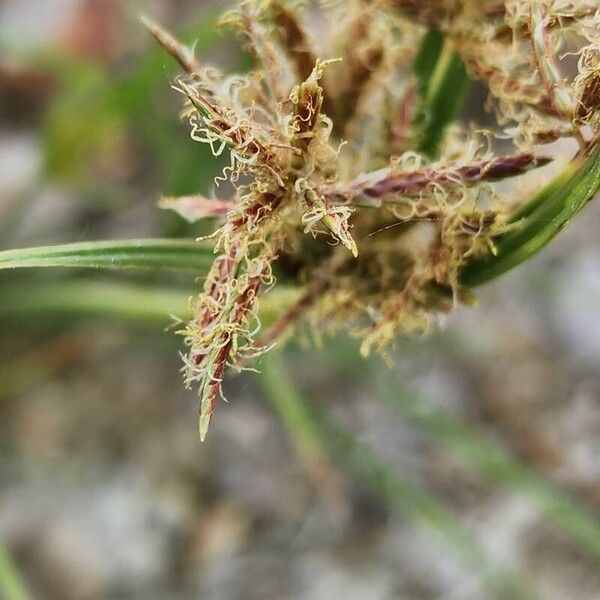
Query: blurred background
x=469 y=470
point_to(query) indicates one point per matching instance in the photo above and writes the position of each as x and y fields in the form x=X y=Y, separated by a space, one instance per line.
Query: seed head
x=330 y=188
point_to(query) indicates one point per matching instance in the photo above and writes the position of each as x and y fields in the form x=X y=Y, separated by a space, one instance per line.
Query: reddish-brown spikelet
x=242 y=307
x=180 y=52
x=389 y=183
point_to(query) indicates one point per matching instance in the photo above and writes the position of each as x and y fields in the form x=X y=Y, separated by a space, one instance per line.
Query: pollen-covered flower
x=348 y=181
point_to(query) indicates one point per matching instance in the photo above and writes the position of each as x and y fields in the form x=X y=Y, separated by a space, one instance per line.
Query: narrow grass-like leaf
x=548 y=213
x=496 y=466
x=486 y=458
x=22 y=302
x=120 y=254
x=540 y=197
x=398 y=493
x=443 y=83
x=427 y=58
x=293 y=412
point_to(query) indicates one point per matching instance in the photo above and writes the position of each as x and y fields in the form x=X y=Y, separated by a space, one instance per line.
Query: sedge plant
x=360 y=200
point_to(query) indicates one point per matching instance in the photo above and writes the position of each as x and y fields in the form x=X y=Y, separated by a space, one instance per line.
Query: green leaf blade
x=107 y=300
x=125 y=254
x=547 y=214
x=316 y=434
x=126 y=302
x=427 y=59
x=442 y=83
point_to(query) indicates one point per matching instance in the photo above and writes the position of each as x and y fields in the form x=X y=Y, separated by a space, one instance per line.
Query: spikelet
x=329 y=185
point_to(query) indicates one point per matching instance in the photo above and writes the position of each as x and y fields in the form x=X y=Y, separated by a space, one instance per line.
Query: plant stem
x=398 y=493
x=23 y=302
x=496 y=466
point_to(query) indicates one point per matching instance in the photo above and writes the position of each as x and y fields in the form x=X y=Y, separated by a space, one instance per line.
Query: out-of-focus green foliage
x=145 y=304
x=98 y=107
x=11 y=584
x=316 y=433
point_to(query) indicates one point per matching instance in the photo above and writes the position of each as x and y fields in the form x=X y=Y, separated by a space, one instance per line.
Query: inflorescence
x=342 y=184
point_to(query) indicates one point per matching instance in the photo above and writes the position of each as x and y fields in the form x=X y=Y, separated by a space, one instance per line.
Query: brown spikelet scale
x=332 y=190
x=590 y=99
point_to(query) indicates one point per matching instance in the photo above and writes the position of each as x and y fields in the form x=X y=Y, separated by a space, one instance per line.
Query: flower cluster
x=343 y=185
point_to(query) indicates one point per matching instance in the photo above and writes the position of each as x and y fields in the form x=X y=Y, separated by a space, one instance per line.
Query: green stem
x=66 y=299
x=398 y=493
x=20 y=303
x=496 y=466
x=292 y=410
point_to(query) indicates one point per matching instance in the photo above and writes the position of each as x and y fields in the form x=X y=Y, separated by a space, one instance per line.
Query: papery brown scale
x=550 y=135
x=258 y=44
x=237 y=137
x=590 y=98
x=287 y=320
x=361 y=70
x=214 y=116
x=217 y=283
x=197 y=207
x=336 y=86
x=307 y=101
x=306 y=112
x=503 y=84
x=245 y=300
x=506 y=32
x=214 y=387
x=307 y=106
x=266 y=201
x=502 y=167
